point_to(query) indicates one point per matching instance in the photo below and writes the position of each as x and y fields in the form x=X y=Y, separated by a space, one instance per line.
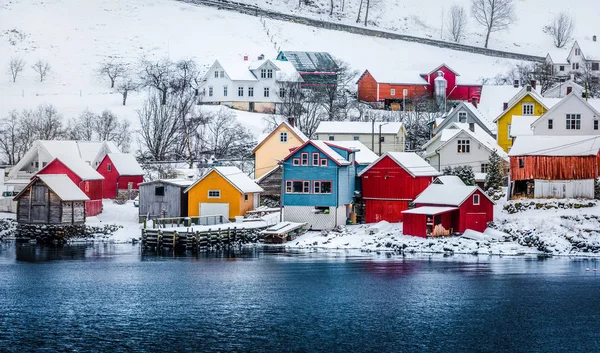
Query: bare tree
x=456 y=22
x=42 y=68
x=331 y=8
x=226 y=137
x=127 y=85
x=158 y=75
x=15 y=67
x=9 y=137
x=494 y=15
x=160 y=134
x=360 y=6
x=82 y=127
x=113 y=70
x=560 y=29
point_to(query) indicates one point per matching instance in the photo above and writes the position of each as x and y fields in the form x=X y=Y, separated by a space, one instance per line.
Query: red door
x=476 y=221
x=384 y=210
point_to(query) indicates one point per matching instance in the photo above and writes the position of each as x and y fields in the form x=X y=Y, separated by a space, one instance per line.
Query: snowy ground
x=125 y=216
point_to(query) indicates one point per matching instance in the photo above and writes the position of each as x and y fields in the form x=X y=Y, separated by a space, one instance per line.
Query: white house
x=564 y=88
x=584 y=53
x=393 y=134
x=467 y=113
x=253 y=86
x=462 y=144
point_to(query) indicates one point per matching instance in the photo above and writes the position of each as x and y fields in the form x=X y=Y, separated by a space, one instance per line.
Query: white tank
x=440 y=85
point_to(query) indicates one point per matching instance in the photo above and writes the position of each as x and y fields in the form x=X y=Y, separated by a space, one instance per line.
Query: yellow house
x=275 y=147
x=223 y=191
x=527 y=103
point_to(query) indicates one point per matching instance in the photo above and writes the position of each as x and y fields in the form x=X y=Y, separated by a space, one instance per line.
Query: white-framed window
x=595 y=124
x=561 y=68
x=509 y=128
x=306 y=187
x=263 y=73
x=283 y=137
x=304 y=158
x=296 y=161
x=281 y=92
x=240 y=91
x=356 y=138
x=550 y=124
x=577 y=51
x=528 y=108
x=324 y=162
x=109 y=167
x=269 y=73
x=214 y=194
x=575 y=66
x=250 y=91
x=476 y=199
x=266 y=91
x=297 y=187
x=315 y=159
x=392 y=92
x=464 y=146
x=595 y=66
x=222 y=74
x=331 y=138
x=382 y=139
x=573 y=121
x=322 y=187
x=217 y=74
x=462 y=117
x=225 y=88
x=210 y=91
x=485 y=167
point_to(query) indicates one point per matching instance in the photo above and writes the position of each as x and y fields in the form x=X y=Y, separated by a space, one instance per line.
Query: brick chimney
x=474 y=101
x=472 y=127
x=246 y=57
x=292 y=122
x=504 y=106
x=594 y=38
x=569 y=89
x=533 y=84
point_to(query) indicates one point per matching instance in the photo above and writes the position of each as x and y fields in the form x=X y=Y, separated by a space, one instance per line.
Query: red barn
x=457 y=89
x=374 y=86
x=84 y=176
x=446 y=209
x=391 y=182
x=121 y=171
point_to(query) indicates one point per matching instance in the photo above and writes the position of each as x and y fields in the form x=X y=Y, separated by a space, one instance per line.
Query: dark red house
x=391 y=182
x=84 y=176
x=121 y=171
x=457 y=89
x=446 y=209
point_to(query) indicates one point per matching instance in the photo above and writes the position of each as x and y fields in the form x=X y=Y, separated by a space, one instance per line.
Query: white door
x=214 y=209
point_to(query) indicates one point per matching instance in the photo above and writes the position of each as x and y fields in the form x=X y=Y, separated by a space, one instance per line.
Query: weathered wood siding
x=67 y=212
x=554 y=168
x=272 y=184
x=174 y=202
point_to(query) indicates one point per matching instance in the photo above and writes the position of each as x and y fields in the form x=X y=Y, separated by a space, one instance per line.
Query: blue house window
x=297 y=187
x=322 y=187
x=296 y=161
x=315 y=159
x=324 y=162
x=304 y=158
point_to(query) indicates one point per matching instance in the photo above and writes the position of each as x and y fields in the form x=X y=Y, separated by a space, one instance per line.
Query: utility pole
x=373 y=134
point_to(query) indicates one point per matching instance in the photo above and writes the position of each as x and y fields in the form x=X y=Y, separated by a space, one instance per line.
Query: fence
x=175 y=222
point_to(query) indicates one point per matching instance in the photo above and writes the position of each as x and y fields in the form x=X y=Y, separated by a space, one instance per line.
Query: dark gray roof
x=305 y=61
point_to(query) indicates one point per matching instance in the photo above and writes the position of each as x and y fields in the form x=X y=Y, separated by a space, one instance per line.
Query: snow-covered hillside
x=74 y=37
x=424 y=19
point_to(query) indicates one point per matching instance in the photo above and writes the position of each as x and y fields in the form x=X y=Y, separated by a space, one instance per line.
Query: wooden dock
x=189 y=240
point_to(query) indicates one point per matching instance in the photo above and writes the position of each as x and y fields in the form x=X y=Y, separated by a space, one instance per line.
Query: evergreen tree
x=495 y=174
x=465 y=173
x=448 y=171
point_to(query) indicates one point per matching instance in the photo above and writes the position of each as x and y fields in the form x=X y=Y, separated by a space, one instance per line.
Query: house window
x=250 y=91
x=263 y=73
x=306 y=187
x=323 y=162
x=281 y=92
x=109 y=167
x=550 y=124
x=315 y=159
x=322 y=187
x=485 y=167
x=462 y=117
x=595 y=66
x=37 y=164
x=561 y=68
x=296 y=161
x=356 y=138
x=475 y=199
x=331 y=138
x=527 y=108
x=464 y=146
x=214 y=194
x=222 y=74
x=217 y=74
x=240 y=91
x=509 y=132
x=269 y=73
x=521 y=163
x=382 y=139
x=297 y=187
x=595 y=124
x=573 y=121
x=283 y=137
x=577 y=51
x=266 y=92
x=159 y=191
x=246 y=197
x=304 y=158
x=575 y=66
x=225 y=91
x=210 y=91
x=393 y=92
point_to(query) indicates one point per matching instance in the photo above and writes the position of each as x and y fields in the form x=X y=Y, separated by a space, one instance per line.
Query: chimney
x=572 y=77
x=594 y=38
x=516 y=84
x=246 y=57
x=292 y=122
x=504 y=106
x=528 y=88
x=472 y=127
x=474 y=101
x=569 y=90
x=261 y=56
x=533 y=84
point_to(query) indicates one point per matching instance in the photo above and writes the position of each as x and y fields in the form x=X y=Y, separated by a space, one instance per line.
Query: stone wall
x=60 y=233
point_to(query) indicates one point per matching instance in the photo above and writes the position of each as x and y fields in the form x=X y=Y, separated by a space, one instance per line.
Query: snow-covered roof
x=126 y=164
x=398 y=75
x=63 y=187
x=521 y=125
x=449 y=180
x=357 y=127
x=480 y=177
x=430 y=210
x=559 y=56
x=299 y=134
x=235 y=177
x=453 y=195
x=176 y=182
x=409 y=161
x=363 y=155
x=555 y=146
x=573 y=96
x=236 y=69
x=475 y=111
x=330 y=152
x=452 y=131
x=493 y=98
x=85 y=150
x=589 y=48
x=556 y=89
x=77 y=166
x=287 y=72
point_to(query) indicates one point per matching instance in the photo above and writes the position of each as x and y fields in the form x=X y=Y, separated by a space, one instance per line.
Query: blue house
x=318 y=184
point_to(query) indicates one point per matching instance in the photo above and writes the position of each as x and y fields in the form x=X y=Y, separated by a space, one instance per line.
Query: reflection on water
x=107 y=297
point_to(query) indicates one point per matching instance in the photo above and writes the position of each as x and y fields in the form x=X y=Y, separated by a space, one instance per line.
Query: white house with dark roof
x=466 y=113
x=393 y=134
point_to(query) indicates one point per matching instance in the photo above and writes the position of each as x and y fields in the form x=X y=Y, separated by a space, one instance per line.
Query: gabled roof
x=493 y=98
x=267 y=174
x=589 y=49
x=439 y=67
x=449 y=180
x=451 y=195
x=287 y=72
x=570 y=97
x=77 y=166
x=457 y=129
x=321 y=146
x=557 y=146
x=362 y=154
x=125 y=164
x=547 y=103
x=183 y=183
x=397 y=76
x=409 y=161
x=559 y=86
x=236 y=70
x=469 y=107
x=233 y=176
x=61 y=185
x=306 y=61
x=299 y=134
x=358 y=127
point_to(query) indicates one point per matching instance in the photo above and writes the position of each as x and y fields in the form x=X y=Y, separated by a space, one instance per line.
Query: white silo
x=440 y=85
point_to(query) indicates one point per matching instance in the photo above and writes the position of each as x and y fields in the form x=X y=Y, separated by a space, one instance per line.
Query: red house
x=457 y=89
x=391 y=182
x=446 y=209
x=121 y=171
x=84 y=176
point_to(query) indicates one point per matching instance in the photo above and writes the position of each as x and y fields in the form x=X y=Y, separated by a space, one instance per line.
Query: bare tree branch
x=42 y=68
x=494 y=15
x=15 y=67
x=560 y=29
x=456 y=22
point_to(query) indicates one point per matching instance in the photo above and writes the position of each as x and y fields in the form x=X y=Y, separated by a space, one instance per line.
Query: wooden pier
x=189 y=240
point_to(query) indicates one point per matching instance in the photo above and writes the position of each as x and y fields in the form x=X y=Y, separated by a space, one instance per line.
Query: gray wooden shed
x=51 y=199
x=163 y=198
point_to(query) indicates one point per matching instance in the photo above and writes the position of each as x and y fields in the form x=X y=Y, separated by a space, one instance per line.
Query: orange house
x=388 y=88
x=223 y=191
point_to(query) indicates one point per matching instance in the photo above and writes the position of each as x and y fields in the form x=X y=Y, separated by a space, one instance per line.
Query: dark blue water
x=113 y=298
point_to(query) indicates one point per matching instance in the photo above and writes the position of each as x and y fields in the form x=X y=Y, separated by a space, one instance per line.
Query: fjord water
x=113 y=298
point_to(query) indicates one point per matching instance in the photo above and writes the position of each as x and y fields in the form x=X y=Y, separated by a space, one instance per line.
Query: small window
x=296 y=161
x=475 y=199
x=393 y=92
x=210 y=91
x=324 y=162
x=382 y=139
x=306 y=187
x=250 y=91
x=263 y=73
x=331 y=138
x=561 y=68
x=509 y=132
x=595 y=66
x=485 y=167
x=315 y=159
x=321 y=210
x=528 y=108
x=159 y=191
x=45 y=164
x=37 y=164
x=269 y=73
x=577 y=51
x=464 y=146
x=283 y=137
x=575 y=66
x=304 y=158
x=462 y=117
x=214 y=194
x=217 y=74
x=281 y=92
x=595 y=124
x=266 y=92
x=550 y=124
x=109 y=167
x=573 y=121
x=521 y=163
x=356 y=138
x=222 y=74
x=246 y=197
x=240 y=91
x=225 y=91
